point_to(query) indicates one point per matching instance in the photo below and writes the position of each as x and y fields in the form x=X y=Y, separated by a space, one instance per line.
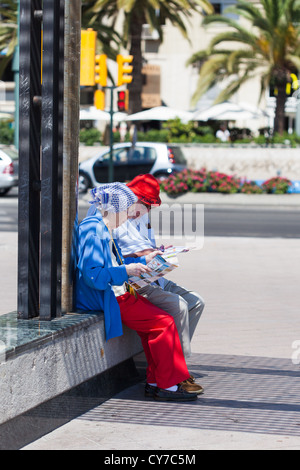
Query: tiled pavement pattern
x=242 y=393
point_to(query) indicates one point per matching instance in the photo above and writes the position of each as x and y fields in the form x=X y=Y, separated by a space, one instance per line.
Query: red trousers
x=160 y=340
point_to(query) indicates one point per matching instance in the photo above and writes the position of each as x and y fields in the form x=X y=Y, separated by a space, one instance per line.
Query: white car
x=159 y=159
x=9 y=169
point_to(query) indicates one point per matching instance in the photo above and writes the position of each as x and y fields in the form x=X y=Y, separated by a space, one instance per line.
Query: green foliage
x=8 y=31
x=276 y=185
x=110 y=11
x=200 y=181
x=90 y=136
x=6 y=133
x=267 y=46
x=293 y=140
x=153 y=135
x=175 y=131
x=128 y=17
x=250 y=187
x=221 y=183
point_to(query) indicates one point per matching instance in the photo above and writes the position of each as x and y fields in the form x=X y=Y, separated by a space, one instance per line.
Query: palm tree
x=8 y=32
x=135 y=14
x=269 y=47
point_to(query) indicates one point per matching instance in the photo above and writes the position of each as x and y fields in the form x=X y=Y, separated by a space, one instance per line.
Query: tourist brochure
x=160 y=266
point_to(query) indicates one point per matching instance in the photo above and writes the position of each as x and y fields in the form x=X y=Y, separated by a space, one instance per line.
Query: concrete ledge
x=40 y=360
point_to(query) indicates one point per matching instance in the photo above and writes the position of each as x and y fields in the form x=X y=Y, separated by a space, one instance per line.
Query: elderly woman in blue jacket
x=101 y=277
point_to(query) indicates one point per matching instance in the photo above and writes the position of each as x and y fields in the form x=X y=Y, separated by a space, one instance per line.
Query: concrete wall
x=247 y=161
x=244 y=161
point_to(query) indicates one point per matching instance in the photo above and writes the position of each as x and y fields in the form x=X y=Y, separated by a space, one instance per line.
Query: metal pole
x=29 y=159
x=111 y=135
x=15 y=68
x=71 y=144
x=52 y=150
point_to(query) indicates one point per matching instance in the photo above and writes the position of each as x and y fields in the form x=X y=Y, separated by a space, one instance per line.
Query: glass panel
x=142 y=154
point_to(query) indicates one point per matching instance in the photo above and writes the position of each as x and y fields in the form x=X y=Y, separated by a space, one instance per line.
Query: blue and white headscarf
x=112 y=197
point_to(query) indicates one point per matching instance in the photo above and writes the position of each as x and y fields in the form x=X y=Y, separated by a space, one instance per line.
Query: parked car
x=159 y=159
x=9 y=169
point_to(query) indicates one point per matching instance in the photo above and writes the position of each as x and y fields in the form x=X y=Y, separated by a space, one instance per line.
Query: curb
x=273 y=200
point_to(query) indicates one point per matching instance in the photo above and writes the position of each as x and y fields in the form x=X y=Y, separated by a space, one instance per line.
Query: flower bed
x=250 y=187
x=197 y=181
x=276 y=185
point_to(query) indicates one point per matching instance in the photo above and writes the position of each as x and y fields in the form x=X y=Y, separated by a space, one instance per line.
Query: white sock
x=172 y=389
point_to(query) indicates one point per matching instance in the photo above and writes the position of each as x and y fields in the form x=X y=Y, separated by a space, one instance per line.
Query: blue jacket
x=95 y=274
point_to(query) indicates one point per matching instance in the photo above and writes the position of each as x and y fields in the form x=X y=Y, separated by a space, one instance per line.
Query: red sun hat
x=146 y=188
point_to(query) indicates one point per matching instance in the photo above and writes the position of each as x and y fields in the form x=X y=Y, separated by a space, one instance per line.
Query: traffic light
x=124 y=70
x=87 y=57
x=99 y=99
x=101 y=69
x=123 y=100
x=292 y=86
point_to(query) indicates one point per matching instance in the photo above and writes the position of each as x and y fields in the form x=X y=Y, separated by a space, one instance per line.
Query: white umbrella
x=160 y=113
x=7 y=116
x=94 y=114
x=228 y=111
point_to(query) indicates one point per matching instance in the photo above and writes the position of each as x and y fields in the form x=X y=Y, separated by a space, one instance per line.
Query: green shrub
x=200 y=181
x=184 y=181
x=6 y=133
x=153 y=135
x=250 y=187
x=177 y=130
x=222 y=183
x=277 y=185
x=285 y=139
x=204 y=139
x=213 y=181
x=90 y=136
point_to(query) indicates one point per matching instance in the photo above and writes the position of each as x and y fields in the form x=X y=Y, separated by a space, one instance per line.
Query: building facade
x=178 y=81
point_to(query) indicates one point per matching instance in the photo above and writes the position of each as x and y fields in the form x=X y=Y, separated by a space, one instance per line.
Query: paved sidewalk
x=246 y=354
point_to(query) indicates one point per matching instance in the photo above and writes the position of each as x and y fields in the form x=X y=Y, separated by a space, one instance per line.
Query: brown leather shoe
x=191 y=387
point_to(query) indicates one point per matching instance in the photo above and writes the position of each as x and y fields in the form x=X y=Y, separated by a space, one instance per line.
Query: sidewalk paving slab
x=249 y=403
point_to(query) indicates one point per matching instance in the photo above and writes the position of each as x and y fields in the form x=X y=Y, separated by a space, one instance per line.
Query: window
x=220 y=8
x=119 y=155
x=134 y=155
x=141 y=154
x=217 y=8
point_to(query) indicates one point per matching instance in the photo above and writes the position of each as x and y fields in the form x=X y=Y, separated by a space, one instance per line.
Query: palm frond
x=232 y=88
x=270 y=42
x=8 y=32
x=212 y=71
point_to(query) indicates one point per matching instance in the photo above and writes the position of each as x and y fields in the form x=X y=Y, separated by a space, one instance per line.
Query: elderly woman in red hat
x=136 y=238
x=100 y=284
